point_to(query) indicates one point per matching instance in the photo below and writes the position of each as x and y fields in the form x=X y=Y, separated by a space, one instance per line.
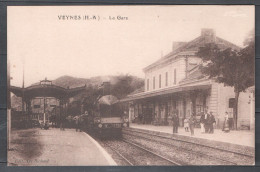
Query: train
x=108 y=118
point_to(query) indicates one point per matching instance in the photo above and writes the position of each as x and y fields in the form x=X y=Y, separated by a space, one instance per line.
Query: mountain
x=69 y=81
x=72 y=82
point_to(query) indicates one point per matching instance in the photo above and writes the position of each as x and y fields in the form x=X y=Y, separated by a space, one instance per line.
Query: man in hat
x=175 y=120
x=206 y=122
x=77 y=122
x=211 y=121
x=192 y=122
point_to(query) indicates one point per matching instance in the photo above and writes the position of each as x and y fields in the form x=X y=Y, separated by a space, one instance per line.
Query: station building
x=175 y=84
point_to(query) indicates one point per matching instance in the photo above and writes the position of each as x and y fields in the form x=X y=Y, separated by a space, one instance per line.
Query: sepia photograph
x=131 y=85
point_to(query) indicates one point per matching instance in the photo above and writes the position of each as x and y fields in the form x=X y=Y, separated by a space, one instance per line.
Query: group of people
x=207 y=120
x=206 y=123
x=189 y=124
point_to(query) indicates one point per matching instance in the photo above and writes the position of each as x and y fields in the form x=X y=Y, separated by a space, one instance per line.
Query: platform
x=239 y=137
x=53 y=147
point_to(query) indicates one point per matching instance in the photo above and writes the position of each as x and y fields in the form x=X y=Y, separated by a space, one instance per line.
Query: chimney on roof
x=209 y=35
x=176 y=45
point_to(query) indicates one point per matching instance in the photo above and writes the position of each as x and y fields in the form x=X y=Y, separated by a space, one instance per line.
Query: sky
x=45 y=45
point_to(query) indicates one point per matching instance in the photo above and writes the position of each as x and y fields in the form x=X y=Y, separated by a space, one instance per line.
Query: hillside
x=72 y=82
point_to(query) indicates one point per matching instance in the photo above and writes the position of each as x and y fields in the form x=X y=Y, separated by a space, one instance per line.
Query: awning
x=46 y=91
x=165 y=92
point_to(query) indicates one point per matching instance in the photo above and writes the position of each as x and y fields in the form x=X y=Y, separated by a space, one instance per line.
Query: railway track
x=216 y=155
x=134 y=154
x=120 y=155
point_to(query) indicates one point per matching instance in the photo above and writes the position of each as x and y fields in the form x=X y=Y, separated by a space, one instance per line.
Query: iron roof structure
x=46 y=89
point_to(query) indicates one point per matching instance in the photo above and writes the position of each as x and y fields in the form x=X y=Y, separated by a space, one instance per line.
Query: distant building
x=174 y=84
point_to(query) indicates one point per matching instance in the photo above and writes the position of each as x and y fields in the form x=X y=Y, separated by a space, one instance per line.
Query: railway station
x=158 y=122
x=139 y=144
x=71 y=126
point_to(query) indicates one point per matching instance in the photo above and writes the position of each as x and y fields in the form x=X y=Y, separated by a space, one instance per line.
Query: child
x=186 y=124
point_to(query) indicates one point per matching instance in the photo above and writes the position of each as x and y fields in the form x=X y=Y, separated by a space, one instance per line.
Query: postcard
x=130 y=85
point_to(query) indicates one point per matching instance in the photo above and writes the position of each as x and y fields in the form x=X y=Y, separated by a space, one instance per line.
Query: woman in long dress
x=226 y=124
x=202 y=123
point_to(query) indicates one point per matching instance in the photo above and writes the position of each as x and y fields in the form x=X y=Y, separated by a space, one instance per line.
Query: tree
x=231 y=67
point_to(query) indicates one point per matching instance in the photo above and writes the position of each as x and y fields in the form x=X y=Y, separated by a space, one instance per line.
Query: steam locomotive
x=109 y=118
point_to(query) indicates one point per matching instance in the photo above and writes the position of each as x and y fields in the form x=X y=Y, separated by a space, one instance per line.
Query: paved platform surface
x=240 y=137
x=53 y=147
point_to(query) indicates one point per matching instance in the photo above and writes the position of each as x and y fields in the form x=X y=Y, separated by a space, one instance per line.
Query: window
x=147 y=84
x=160 y=80
x=231 y=103
x=154 y=82
x=166 y=79
x=174 y=75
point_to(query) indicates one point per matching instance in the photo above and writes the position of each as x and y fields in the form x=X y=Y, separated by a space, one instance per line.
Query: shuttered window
x=160 y=81
x=174 y=75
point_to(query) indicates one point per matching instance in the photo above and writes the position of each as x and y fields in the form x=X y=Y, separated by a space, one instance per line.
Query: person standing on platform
x=77 y=122
x=186 y=124
x=226 y=124
x=206 y=122
x=192 y=121
x=211 y=121
x=175 y=122
x=202 y=122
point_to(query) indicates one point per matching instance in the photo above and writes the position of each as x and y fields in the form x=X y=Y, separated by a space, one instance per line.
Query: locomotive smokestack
x=106 y=88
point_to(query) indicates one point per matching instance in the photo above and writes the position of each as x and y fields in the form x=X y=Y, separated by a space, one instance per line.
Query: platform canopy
x=167 y=91
x=46 y=89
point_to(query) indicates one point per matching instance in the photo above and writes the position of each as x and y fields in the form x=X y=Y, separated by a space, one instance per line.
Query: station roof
x=191 y=48
x=167 y=91
x=46 y=89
